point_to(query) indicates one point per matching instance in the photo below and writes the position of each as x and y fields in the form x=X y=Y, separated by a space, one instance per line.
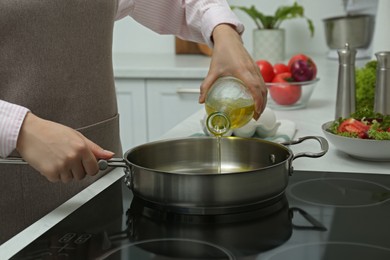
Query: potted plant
x=268 y=37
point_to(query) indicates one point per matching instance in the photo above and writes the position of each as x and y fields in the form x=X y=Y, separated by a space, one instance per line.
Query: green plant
x=274 y=21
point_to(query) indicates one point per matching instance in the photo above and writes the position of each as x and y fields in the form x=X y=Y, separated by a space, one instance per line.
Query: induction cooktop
x=320 y=215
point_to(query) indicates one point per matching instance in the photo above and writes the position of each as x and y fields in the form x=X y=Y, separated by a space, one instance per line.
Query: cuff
x=216 y=16
x=11 y=120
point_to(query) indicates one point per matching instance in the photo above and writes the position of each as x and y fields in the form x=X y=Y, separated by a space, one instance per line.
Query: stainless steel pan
x=182 y=174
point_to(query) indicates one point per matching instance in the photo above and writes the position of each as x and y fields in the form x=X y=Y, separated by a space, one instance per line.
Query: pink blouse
x=192 y=20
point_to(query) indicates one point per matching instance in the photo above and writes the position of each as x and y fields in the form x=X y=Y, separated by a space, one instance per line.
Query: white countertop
x=160 y=66
x=320 y=109
x=308 y=121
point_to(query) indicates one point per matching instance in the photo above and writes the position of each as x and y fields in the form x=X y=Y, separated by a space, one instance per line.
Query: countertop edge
x=22 y=239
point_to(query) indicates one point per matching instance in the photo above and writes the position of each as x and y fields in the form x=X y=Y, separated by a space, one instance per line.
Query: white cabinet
x=148 y=108
x=132 y=111
x=156 y=92
x=170 y=101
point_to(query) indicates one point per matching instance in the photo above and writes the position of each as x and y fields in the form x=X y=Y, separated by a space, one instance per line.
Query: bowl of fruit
x=290 y=85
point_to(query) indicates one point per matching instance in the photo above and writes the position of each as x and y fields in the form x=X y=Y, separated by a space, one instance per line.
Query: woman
x=57 y=98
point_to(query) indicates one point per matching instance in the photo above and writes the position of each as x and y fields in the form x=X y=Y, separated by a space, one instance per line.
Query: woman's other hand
x=58 y=152
x=230 y=58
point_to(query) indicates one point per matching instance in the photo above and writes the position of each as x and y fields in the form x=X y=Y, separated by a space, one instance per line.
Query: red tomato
x=280 y=68
x=266 y=70
x=285 y=94
x=352 y=125
x=305 y=58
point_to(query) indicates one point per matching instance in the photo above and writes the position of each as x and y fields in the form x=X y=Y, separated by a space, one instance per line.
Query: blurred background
x=130 y=37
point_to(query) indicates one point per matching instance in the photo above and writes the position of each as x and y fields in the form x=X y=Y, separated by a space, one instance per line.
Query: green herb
x=281 y=14
x=377 y=132
x=365 y=87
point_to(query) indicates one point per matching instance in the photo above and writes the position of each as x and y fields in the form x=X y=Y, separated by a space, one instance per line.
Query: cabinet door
x=170 y=102
x=132 y=110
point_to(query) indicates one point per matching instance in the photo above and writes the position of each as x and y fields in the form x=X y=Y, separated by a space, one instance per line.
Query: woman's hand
x=230 y=58
x=58 y=152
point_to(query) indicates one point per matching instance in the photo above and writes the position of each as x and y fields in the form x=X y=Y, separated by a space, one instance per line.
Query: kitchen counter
x=320 y=109
x=308 y=121
x=160 y=66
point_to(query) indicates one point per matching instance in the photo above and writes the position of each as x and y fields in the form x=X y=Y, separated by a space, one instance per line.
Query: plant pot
x=269 y=45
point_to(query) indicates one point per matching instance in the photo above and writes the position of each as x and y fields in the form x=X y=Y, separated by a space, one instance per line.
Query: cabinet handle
x=188 y=91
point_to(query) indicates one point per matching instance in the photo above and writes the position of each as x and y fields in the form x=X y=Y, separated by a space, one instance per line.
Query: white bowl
x=364 y=149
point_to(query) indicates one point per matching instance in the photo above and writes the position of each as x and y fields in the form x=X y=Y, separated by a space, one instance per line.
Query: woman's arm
x=194 y=20
x=56 y=151
x=230 y=58
x=210 y=21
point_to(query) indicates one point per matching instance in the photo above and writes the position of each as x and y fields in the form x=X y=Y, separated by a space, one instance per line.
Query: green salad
x=364 y=123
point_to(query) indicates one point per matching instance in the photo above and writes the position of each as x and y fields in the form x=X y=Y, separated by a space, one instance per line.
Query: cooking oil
x=239 y=112
x=219 y=156
x=229 y=105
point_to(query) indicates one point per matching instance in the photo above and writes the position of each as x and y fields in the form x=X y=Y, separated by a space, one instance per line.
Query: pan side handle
x=119 y=162
x=322 y=141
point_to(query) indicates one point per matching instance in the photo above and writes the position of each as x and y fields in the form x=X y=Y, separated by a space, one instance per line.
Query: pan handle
x=12 y=160
x=103 y=164
x=323 y=143
x=113 y=162
x=119 y=162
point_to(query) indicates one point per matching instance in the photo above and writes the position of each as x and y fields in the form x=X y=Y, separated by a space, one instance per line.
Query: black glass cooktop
x=320 y=216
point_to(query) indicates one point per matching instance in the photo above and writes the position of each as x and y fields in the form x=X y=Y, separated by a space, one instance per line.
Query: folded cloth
x=285 y=131
x=194 y=126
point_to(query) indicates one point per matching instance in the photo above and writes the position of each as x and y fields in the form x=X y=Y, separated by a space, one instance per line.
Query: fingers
x=66 y=177
x=78 y=171
x=58 y=152
x=98 y=152
x=206 y=85
x=85 y=161
x=76 y=165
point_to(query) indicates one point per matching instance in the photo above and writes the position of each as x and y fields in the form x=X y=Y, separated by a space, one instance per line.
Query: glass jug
x=229 y=105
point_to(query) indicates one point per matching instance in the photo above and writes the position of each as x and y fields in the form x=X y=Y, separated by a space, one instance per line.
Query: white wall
x=129 y=36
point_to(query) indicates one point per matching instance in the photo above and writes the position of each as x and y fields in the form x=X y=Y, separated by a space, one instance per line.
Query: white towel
x=193 y=126
x=285 y=132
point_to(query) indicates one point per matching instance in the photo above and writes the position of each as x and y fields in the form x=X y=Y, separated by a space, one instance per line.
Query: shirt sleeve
x=192 y=20
x=11 y=120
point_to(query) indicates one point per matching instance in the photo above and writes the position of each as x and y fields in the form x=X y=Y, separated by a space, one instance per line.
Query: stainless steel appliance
x=355 y=27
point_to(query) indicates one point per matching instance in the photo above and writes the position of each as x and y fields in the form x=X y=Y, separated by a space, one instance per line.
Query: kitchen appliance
x=320 y=215
x=356 y=28
x=209 y=175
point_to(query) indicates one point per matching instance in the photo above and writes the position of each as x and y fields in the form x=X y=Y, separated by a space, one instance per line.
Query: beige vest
x=55 y=59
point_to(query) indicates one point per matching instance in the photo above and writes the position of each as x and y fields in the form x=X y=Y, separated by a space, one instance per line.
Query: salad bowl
x=364 y=149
